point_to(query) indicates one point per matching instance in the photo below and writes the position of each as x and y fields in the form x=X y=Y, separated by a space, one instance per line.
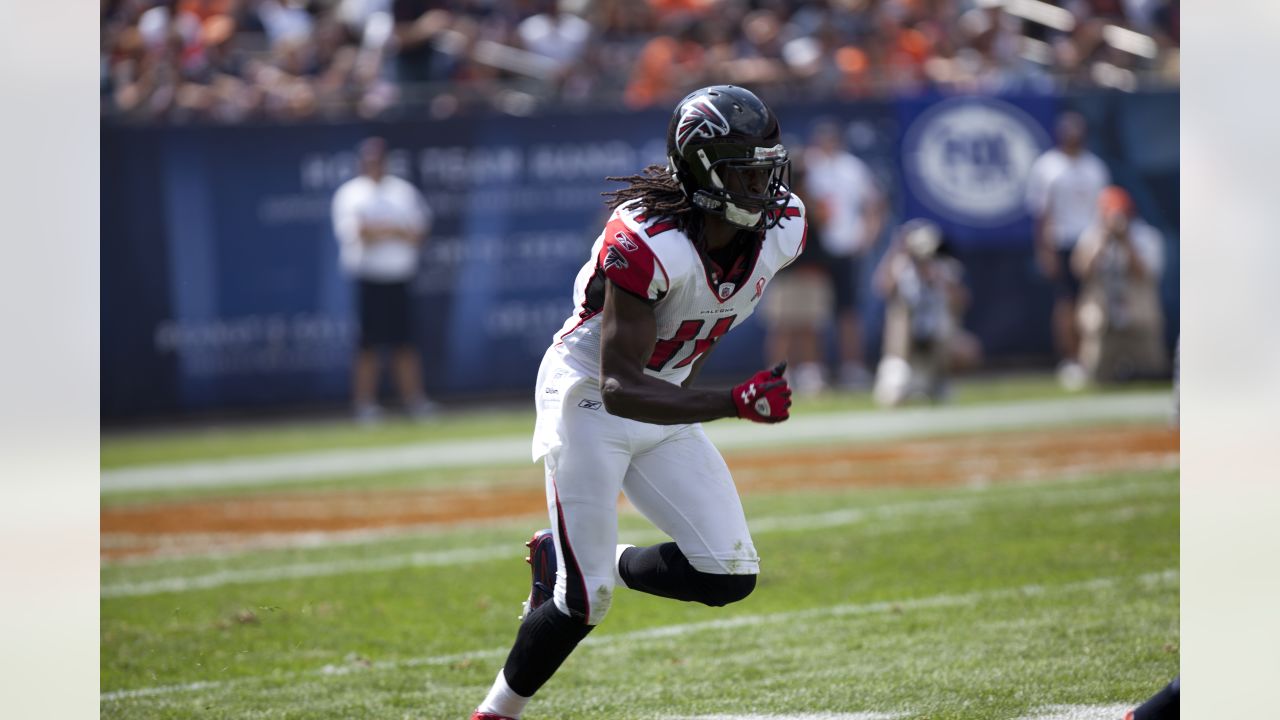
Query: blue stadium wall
x=221 y=290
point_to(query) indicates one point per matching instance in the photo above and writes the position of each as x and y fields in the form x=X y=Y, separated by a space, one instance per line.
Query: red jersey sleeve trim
x=659 y=228
x=629 y=262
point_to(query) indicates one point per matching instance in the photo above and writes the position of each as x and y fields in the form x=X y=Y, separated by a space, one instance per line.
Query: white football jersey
x=693 y=305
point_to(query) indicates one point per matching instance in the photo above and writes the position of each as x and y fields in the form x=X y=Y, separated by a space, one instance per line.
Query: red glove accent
x=765 y=398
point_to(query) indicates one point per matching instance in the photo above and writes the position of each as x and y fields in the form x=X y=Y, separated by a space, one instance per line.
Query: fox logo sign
x=967 y=159
x=699 y=118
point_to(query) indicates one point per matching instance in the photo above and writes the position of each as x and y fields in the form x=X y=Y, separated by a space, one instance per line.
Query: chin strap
x=742 y=218
x=727 y=210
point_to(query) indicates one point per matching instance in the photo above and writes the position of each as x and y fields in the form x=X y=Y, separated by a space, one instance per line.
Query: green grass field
x=1030 y=599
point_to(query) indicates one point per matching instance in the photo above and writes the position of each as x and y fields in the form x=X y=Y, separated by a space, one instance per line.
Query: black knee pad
x=720 y=590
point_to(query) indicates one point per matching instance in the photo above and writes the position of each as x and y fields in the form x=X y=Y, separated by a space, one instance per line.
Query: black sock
x=664 y=571
x=544 y=640
x=1162 y=706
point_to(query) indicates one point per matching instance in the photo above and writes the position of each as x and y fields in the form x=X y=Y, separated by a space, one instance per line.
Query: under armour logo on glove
x=770 y=393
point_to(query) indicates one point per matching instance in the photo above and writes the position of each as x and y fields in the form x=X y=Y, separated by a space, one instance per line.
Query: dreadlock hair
x=660 y=195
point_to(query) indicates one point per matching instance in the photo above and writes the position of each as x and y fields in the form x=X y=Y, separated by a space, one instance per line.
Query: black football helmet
x=724 y=147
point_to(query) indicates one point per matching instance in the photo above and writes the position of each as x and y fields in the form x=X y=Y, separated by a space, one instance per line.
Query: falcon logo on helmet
x=701 y=119
x=724 y=147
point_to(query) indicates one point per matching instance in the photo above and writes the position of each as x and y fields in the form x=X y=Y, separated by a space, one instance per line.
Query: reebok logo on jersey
x=627 y=243
x=614 y=259
x=699 y=118
x=590 y=404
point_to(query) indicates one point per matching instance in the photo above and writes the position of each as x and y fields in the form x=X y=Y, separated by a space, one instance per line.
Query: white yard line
x=951 y=507
x=801 y=716
x=1080 y=712
x=1056 y=712
x=944 y=420
x=801 y=430
x=671 y=631
x=296 y=571
x=216 y=545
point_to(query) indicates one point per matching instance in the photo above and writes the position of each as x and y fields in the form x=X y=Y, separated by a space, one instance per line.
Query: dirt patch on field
x=227 y=523
x=959 y=460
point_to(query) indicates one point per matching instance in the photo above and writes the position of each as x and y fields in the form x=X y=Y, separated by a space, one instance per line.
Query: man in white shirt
x=1062 y=195
x=559 y=34
x=849 y=209
x=380 y=222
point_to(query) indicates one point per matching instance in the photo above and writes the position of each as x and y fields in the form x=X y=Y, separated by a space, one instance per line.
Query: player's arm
x=628 y=334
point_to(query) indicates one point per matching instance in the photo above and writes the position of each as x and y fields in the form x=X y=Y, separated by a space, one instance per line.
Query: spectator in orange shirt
x=667 y=65
x=1119 y=260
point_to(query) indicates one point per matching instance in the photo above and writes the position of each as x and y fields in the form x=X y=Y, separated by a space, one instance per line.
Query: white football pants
x=670 y=473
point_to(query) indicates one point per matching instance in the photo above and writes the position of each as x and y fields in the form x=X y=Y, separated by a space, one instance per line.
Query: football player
x=684 y=259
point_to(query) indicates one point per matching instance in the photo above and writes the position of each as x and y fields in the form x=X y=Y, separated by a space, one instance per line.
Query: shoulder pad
x=627 y=260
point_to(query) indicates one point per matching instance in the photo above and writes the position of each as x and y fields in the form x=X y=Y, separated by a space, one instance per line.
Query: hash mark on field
x=802 y=716
x=668 y=631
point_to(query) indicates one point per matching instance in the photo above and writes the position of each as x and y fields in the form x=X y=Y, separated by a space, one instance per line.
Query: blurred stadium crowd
x=230 y=61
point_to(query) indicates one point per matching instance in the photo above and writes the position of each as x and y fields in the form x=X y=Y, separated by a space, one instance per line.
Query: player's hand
x=765 y=398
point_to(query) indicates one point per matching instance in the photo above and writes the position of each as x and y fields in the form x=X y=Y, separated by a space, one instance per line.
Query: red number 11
x=664 y=350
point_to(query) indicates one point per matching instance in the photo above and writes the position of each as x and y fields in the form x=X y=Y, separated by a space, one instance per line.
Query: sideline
x=857 y=426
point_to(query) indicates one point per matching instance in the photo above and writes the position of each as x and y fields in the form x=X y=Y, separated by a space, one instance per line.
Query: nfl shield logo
x=726 y=289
